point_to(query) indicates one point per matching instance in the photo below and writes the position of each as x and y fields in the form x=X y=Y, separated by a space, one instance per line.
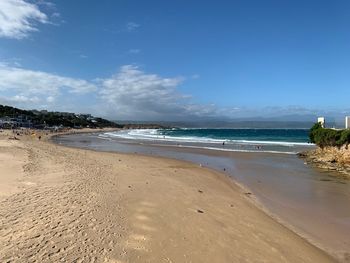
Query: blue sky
x=161 y=60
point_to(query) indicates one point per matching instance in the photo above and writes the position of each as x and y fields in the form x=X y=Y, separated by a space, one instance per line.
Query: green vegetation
x=7 y=111
x=329 y=137
x=41 y=119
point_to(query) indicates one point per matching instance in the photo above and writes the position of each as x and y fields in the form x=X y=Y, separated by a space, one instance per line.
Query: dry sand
x=71 y=205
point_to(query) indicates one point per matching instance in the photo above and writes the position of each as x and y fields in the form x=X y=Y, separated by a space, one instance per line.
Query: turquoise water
x=289 y=141
x=256 y=135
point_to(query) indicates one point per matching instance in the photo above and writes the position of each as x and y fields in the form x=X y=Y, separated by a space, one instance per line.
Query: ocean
x=289 y=141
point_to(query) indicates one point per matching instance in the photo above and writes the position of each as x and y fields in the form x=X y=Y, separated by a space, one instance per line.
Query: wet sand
x=312 y=202
x=74 y=205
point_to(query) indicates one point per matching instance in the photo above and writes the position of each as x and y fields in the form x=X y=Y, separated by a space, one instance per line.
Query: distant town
x=12 y=118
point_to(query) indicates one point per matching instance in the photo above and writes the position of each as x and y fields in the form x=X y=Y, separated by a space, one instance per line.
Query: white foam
x=153 y=135
x=233 y=150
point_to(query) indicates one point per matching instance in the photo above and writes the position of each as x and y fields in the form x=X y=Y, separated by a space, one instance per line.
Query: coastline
x=329 y=158
x=212 y=203
x=295 y=194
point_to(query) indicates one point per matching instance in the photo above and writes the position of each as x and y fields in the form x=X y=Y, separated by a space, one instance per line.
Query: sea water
x=289 y=141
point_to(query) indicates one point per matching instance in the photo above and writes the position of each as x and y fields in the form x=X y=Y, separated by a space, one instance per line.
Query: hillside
x=40 y=119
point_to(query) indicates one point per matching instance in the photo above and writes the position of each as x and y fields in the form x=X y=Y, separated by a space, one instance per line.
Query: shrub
x=328 y=137
x=344 y=138
x=317 y=126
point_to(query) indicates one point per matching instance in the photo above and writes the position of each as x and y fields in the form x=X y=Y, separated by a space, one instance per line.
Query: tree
x=329 y=137
x=317 y=126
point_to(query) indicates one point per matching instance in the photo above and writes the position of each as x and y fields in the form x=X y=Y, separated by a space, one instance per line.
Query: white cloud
x=50 y=99
x=38 y=82
x=21 y=98
x=134 y=51
x=131 y=93
x=20 y=101
x=35 y=87
x=132 y=26
x=18 y=18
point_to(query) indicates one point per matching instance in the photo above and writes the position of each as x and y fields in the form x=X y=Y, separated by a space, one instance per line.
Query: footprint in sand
x=137 y=241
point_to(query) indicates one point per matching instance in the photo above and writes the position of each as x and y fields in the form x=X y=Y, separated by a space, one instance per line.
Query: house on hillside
x=8 y=123
x=347 y=122
x=19 y=121
x=322 y=121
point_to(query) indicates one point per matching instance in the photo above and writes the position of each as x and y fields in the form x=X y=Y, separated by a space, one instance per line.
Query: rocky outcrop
x=330 y=158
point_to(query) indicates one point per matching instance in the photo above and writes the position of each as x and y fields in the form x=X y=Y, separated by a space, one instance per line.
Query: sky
x=177 y=60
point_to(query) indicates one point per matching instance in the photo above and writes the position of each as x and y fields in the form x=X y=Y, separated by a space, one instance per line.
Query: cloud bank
x=31 y=82
x=19 y=18
x=36 y=89
x=130 y=94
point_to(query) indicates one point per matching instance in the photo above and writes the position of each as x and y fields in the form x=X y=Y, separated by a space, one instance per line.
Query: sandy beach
x=73 y=205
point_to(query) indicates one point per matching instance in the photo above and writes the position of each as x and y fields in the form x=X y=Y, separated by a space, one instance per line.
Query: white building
x=347 y=122
x=322 y=121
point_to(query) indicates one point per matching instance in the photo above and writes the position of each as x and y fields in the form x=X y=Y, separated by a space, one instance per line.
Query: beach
x=310 y=201
x=76 y=205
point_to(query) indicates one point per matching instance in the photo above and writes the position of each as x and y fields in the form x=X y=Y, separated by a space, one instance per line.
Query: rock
x=329 y=158
x=302 y=154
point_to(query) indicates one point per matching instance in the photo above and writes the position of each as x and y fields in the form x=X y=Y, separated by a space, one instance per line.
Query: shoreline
x=249 y=193
x=288 y=208
x=217 y=179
